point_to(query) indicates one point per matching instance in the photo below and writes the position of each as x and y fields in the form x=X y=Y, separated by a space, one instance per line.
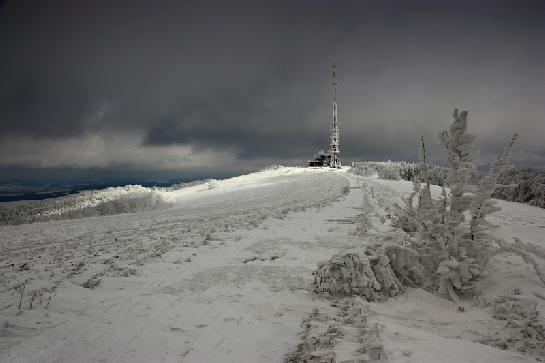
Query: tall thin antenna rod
x=334 y=85
x=335 y=161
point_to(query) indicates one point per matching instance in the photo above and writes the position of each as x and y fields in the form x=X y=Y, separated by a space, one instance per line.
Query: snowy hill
x=221 y=271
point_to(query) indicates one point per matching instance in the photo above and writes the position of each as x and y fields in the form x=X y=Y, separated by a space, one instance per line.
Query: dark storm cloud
x=252 y=78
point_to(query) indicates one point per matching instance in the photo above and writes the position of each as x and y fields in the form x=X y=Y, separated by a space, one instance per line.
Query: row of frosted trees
x=526 y=185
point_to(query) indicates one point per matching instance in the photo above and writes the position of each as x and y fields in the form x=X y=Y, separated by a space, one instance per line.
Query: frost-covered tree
x=422 y=215
x=425 y=202
x=451 y=247
x=481 y=204
x=458 y=146
x=406 y=217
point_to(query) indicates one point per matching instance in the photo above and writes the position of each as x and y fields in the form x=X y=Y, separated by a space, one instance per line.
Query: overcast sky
x=220 y=87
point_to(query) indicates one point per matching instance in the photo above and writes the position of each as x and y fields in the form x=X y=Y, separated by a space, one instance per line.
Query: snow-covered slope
x=223 y=274
x=136 y=198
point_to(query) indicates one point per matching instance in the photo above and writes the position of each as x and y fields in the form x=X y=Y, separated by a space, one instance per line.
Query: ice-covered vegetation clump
x=449 y=233
x=451 y=245
x=370 y=277
x=108 y=201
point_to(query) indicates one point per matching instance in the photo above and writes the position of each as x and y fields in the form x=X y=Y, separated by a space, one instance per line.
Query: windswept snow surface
x=222 y=275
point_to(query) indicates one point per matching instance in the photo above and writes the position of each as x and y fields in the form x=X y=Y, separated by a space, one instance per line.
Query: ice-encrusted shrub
x=481 y=204
x=405 y=263
x=420 y=215
x=370 y=277
x=451 y=248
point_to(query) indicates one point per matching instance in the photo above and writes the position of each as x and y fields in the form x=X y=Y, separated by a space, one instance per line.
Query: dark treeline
x=522 y=185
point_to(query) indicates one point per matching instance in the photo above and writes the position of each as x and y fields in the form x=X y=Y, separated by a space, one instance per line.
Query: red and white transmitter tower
x=335 y=161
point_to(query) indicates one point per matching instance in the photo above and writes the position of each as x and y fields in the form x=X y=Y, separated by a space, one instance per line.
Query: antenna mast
x=335 y=161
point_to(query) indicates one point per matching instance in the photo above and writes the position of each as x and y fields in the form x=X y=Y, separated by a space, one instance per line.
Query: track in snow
x=162 y=274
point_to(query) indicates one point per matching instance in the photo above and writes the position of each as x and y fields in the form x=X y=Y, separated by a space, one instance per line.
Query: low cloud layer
x=106 y=151
x=214 y=85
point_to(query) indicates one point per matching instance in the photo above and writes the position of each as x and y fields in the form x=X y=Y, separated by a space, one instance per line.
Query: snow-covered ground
x=225 y=275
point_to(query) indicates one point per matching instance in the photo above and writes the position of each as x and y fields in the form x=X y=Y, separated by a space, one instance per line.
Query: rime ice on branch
x=451 y=248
